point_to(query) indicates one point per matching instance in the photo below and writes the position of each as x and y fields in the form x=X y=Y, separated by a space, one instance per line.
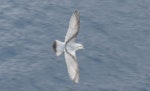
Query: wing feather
x=72 y=66
x=73 y=28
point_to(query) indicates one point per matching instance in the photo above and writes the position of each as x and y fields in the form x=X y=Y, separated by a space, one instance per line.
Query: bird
x=69 y=47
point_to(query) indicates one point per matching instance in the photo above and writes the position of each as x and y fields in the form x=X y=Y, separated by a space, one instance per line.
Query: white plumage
x=69 y=47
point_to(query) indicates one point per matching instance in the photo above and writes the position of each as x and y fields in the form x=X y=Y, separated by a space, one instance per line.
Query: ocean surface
x=115 y=34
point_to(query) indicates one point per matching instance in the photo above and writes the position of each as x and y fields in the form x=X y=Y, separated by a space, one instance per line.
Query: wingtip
x=76 y=81
x=76 y=11
x=77 y=15
x=76 y=78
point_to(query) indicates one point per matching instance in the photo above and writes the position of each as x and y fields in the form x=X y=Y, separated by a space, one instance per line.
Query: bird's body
x=73 y=46
x=69 y=47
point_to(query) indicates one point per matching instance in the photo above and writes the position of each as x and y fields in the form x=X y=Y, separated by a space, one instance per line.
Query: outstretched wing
x=72 y=65
x=73 y=28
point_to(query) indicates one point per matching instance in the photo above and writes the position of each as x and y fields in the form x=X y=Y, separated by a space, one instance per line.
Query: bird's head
x=80 y=46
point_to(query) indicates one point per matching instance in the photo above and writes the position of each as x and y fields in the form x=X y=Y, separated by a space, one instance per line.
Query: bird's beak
x=83 y=48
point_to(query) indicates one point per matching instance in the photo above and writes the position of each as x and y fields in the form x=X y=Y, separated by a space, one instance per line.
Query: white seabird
x=69 y=47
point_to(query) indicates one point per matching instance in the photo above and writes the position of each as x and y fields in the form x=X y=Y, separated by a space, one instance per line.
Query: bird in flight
x=69 y=47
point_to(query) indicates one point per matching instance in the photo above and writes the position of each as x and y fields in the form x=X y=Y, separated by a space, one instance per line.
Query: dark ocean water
x=115 y=33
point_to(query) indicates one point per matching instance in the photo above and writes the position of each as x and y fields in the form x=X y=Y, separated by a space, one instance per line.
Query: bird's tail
x=58 y=47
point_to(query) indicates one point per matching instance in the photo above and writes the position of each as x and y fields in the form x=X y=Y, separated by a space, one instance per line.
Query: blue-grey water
x=115 y=33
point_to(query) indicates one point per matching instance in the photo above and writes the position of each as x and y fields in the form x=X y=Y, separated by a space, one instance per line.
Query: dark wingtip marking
x=76 y=11
x=54 y=46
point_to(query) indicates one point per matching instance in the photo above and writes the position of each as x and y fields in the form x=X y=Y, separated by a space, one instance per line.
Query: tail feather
x=58 y=47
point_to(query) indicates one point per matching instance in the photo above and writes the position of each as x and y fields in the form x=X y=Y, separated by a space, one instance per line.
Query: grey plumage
x=69 y=47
